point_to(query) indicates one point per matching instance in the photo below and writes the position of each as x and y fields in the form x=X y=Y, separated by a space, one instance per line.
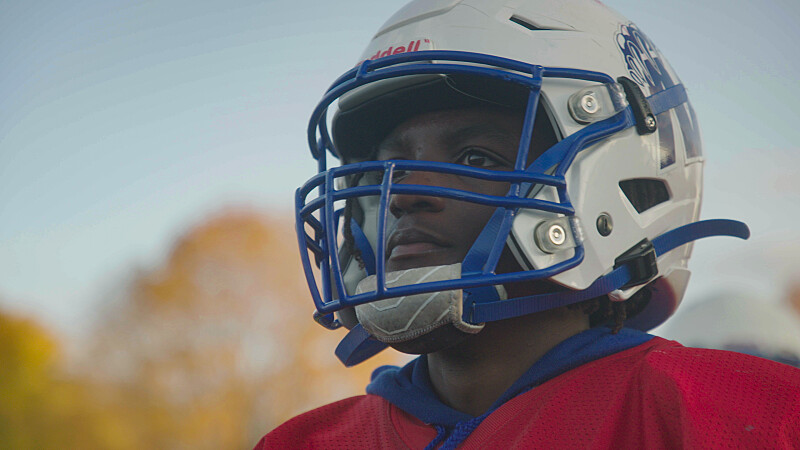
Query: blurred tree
x=41 y=407
x=27 y=354
x=217 y=346
x=793 y=296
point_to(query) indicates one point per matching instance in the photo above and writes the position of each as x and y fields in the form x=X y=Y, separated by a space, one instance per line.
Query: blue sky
x=123 y=123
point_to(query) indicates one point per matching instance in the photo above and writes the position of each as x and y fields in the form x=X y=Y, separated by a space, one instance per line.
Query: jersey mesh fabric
x=363 y=422
x=656 y=395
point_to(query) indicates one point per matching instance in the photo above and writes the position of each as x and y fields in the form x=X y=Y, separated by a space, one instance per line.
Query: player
x=519 y=180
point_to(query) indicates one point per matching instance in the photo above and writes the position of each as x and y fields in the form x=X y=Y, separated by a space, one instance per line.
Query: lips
x=413 y=242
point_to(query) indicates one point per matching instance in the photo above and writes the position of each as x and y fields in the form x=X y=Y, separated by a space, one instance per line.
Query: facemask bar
x=482 y=258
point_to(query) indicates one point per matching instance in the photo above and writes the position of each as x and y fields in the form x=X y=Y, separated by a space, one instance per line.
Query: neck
x=472 y=375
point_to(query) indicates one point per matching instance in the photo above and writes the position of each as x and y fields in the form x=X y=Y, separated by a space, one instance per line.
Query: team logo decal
x=645 y=64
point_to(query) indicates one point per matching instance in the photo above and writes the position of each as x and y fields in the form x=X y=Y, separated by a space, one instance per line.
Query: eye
x=399 y=175
x=373 y=177
x=479 y=158
x=376 y=176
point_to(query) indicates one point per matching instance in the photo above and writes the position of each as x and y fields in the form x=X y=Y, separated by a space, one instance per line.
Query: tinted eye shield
x=318 y=218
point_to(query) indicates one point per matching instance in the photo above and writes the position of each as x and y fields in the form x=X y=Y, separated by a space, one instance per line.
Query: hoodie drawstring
x=441 y=433
x=460 y=433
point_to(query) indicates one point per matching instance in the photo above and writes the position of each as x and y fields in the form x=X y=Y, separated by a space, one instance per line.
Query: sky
x=123 y=123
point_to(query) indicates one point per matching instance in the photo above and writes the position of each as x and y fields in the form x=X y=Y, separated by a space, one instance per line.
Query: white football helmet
x=610 y=208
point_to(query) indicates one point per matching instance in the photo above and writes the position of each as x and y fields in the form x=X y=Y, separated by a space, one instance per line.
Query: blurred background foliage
x=211 y=349
x=208 y=350
x=121 y=121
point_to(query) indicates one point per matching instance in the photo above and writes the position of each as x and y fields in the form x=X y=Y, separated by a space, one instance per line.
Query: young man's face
x=431 y=231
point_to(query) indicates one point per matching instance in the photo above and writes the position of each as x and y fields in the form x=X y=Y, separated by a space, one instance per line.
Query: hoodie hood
x=409 y=388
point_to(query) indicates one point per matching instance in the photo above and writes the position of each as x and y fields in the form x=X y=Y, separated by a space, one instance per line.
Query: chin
x=397 y=264
x=439 y=339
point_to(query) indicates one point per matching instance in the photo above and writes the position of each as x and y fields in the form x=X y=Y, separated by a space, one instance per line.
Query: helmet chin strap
x=633 y=272
x=357 y=346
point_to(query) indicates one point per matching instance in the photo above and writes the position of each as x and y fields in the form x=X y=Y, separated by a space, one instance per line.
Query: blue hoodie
x=410 y=389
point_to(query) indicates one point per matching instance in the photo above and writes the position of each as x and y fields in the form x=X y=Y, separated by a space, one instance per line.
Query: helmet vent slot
x=644 y=193
x=526 y=23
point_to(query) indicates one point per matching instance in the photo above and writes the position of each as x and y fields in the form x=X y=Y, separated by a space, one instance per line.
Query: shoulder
x=658 y=394
x=363 y=418
x=688 y=366
x=722 y=390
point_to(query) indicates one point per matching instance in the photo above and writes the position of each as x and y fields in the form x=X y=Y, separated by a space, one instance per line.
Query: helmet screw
x=604 y=224
x=556 y=234
x=589 y=103
x=650 y=122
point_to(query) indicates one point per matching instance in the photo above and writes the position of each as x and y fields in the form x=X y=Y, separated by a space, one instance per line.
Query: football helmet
x=587 y=81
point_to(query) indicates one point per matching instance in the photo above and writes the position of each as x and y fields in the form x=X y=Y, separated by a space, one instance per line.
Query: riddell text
x=412 y=46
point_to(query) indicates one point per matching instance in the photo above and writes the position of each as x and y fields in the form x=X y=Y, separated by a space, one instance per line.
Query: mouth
x=411 y=243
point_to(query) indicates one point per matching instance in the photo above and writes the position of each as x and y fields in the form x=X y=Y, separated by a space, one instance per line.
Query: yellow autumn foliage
x=43 y=407
x=209 y=350
x=217 y=346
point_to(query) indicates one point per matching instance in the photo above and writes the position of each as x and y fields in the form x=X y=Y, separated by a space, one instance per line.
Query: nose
x=400 y=204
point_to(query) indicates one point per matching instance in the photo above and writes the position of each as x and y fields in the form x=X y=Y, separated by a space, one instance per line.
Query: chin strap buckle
x=327 y=320
x=358 y=346
x=641 y=262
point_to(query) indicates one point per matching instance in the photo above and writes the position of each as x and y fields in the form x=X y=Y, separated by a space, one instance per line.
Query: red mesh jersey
x=656 y=395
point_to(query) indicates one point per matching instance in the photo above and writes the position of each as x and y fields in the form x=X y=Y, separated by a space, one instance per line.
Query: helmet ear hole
x=644 y=193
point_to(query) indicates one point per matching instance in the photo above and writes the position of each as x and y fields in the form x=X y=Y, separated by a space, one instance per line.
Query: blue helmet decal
x=646 y=66
x=645 y=63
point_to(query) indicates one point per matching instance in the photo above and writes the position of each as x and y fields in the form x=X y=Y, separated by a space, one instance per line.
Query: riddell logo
x=412 y=46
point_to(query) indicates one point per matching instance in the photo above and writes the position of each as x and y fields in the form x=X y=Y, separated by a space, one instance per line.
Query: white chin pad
x=401 y=319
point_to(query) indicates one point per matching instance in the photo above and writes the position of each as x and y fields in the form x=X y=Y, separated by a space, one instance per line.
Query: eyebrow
x=459 y=135
x=481 y=130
